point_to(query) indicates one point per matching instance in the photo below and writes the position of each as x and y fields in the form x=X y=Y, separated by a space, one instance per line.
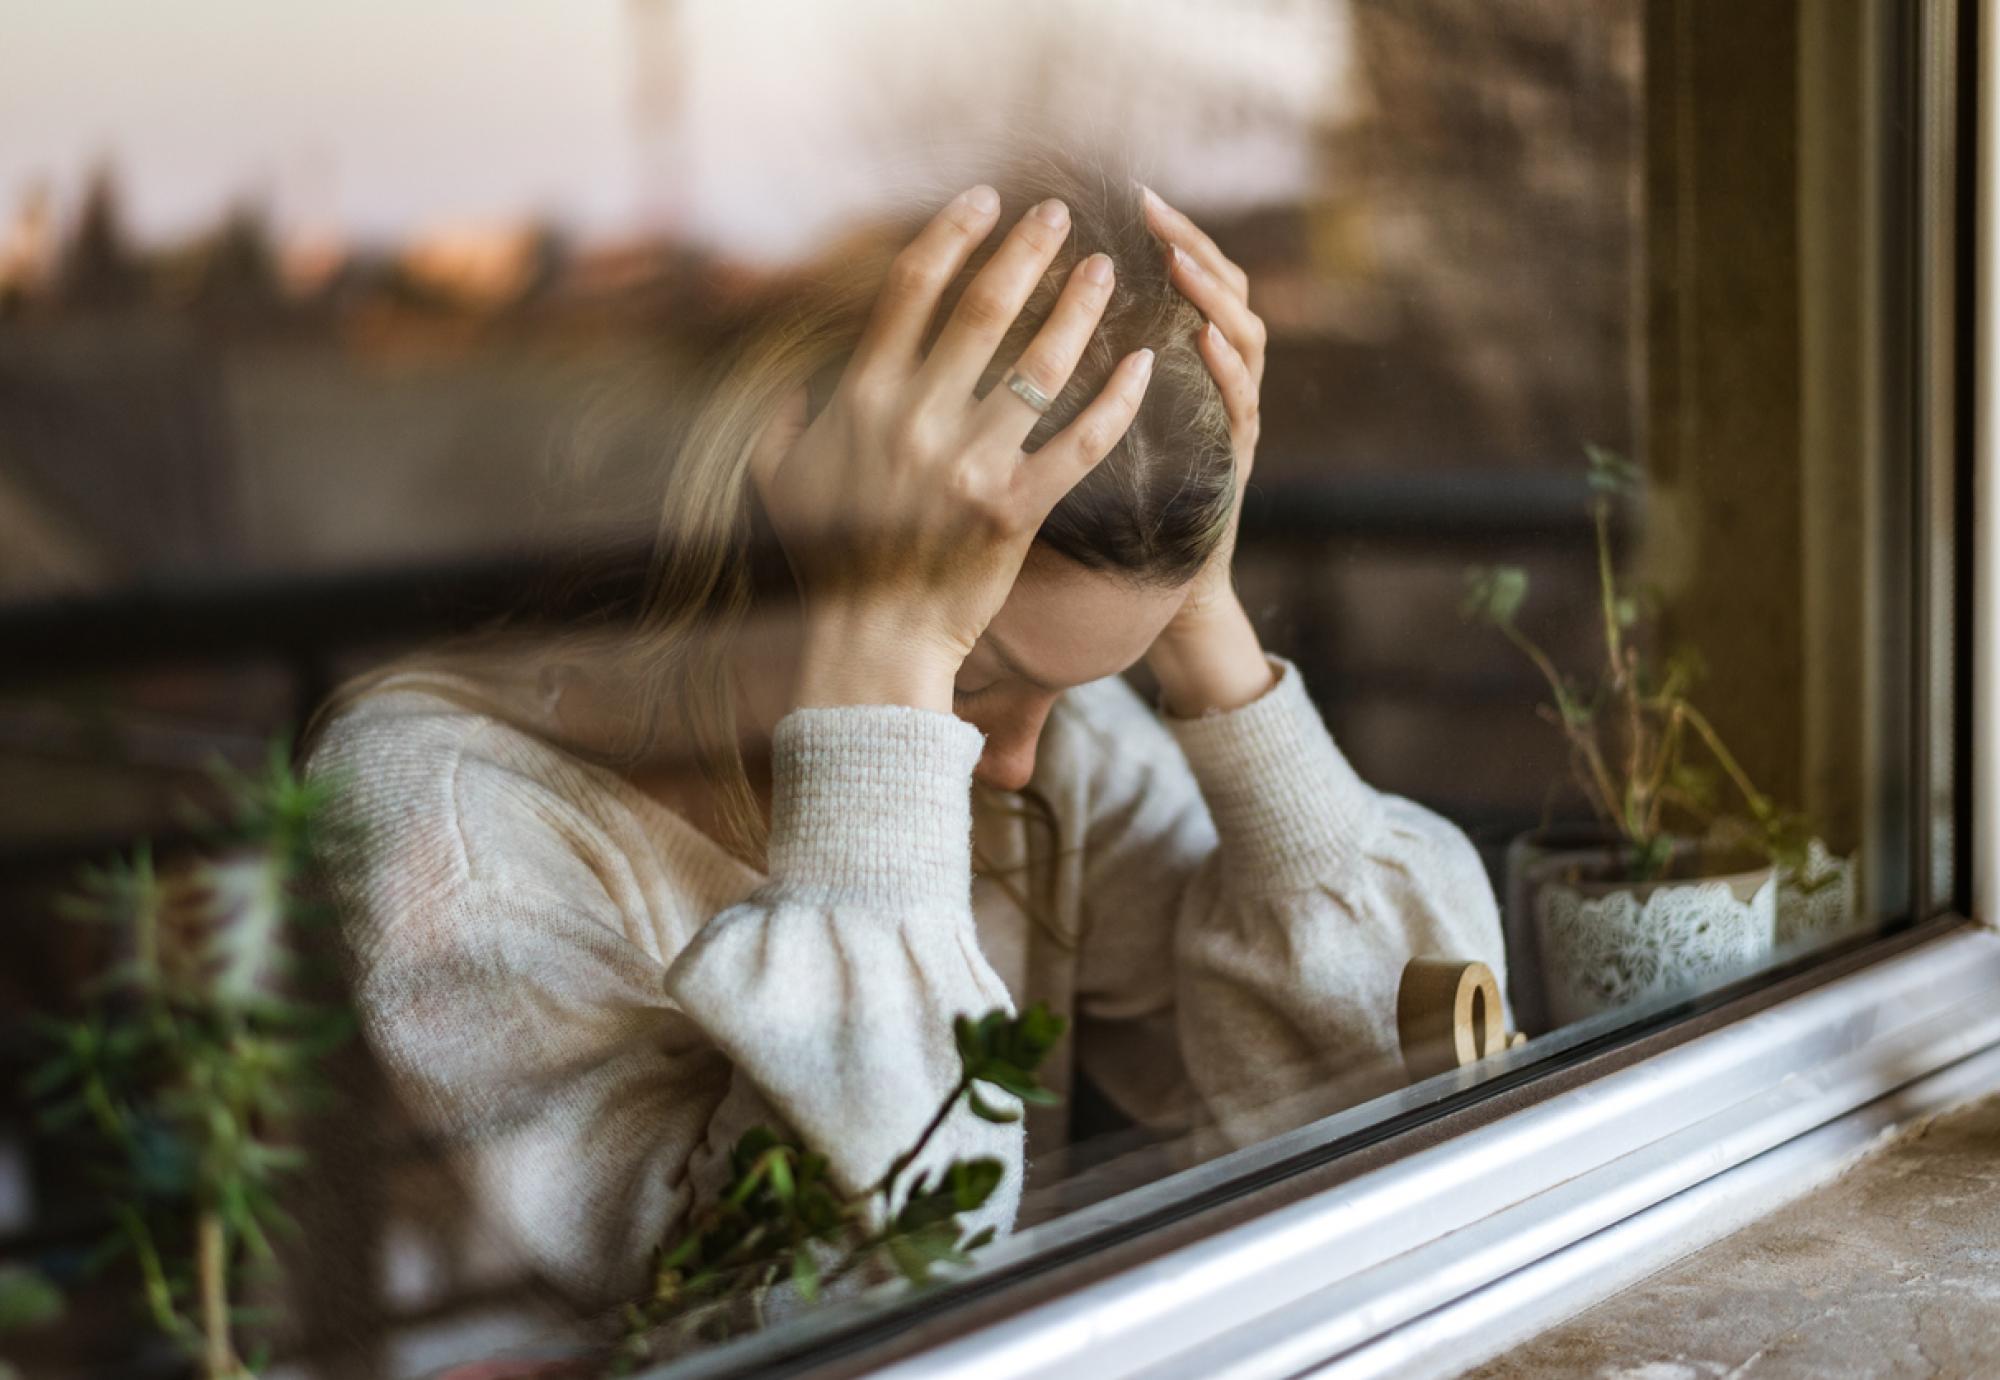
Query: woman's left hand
x=1208 y=656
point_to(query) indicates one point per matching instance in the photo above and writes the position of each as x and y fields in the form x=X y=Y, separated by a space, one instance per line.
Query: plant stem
x=1670 y=740
x=153 y=1276
x=1537 y=656
x=1752 y=797
x=1607 y=587
x=886 y=1185
x=1585 y=746
x=212 y=1271
x=1624 y=678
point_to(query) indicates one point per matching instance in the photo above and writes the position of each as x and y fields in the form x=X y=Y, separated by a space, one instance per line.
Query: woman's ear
x=777 y=438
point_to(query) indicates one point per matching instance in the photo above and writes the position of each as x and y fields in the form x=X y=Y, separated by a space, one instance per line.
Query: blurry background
x=329 y=328
x=289 y=299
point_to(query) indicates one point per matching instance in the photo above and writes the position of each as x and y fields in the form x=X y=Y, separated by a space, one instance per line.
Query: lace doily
x=1820 y=906
x=1603 y=952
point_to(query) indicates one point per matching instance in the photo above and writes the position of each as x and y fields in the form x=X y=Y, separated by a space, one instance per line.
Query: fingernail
x=1184 y=260
x=1215 y=334
x=1152 y=197
x=1097 y=269
x=983 y=199
x=1145 y=365
x=1052 y=212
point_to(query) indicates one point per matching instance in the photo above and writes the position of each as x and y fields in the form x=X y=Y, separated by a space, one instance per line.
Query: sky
x=374 y=116
x=754 y=124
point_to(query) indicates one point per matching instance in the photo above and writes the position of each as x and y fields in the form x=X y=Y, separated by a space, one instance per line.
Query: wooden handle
x=1448 y=1015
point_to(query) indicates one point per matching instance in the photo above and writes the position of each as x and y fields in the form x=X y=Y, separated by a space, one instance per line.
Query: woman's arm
x=1297 y=891
x=589 y=1048
x=833 y=988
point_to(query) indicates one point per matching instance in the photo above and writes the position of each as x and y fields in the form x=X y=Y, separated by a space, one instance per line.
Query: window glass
x=485 y=556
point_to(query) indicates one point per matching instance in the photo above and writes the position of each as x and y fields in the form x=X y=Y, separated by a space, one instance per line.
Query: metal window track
x=1433 y=1261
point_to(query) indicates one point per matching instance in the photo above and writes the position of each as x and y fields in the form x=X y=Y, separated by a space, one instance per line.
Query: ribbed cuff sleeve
x=1289 y=811
x=872 y=805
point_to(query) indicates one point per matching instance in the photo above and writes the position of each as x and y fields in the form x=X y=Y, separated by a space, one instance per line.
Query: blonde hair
x=1152 y=510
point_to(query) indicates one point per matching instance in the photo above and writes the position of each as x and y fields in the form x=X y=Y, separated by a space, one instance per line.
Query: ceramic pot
x=1600 y=943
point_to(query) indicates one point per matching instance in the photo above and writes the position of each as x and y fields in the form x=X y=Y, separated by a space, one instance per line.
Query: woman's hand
x=1208 y=656
x=907 y=506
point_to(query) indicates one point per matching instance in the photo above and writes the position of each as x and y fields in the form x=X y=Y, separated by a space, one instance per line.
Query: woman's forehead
x=1064 y=624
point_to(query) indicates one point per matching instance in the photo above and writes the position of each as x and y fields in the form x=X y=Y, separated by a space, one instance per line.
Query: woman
x=1002 y=469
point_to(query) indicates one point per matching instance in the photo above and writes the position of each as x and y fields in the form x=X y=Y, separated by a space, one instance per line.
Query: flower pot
x=1601 y=941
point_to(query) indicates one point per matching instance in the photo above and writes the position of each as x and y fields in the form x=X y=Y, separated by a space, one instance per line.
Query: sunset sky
x=377 y=116
x=755 y=123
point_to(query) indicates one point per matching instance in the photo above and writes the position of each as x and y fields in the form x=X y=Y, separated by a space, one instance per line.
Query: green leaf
x=987 y=1111
x=1610 y=472
x=805 y=1274
x=1494 y=593
x=910 y=1261
x=924 y=1208
x=972 y=1182
x=966 y=1034
x=27 y=1299
x=1037 y=1032
x=1697 y=784
x=58 y=1117
x=1653 y=856
x=781 y=1178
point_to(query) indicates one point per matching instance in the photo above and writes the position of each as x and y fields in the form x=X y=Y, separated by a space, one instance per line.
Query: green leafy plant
x=783 y=1219
x=1633 y=731
x=197 y=1052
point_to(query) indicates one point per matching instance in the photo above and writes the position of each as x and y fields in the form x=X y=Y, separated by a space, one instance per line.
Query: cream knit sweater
x=591 y=999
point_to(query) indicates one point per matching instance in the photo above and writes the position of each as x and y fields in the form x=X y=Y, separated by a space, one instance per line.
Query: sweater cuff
x=872 y=805
x=1289 y=811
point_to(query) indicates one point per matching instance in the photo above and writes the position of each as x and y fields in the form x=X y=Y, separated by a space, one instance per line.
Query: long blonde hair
x=1152 y=510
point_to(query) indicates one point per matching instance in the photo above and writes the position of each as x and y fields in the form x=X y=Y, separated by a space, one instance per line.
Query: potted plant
x=1675 y=881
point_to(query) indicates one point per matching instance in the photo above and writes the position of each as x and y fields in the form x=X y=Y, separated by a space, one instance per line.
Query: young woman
x=1002 y=467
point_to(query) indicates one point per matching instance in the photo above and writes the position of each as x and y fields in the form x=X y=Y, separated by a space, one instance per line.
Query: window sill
x=1443 y=1256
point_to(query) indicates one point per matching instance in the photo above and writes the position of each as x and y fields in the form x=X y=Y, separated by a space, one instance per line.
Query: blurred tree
x=99 y=271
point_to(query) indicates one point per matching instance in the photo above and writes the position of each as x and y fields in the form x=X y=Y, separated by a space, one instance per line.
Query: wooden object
x=1448 y=1015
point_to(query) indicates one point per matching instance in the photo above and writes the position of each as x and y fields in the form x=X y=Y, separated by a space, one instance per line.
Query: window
x=1608 y=516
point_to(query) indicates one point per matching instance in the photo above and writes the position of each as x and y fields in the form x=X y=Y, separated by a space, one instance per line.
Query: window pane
x=709 y=782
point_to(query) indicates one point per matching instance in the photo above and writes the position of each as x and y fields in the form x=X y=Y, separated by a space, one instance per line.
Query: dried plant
x=1631 y=732
x=197 y=1052
x=783 y=1220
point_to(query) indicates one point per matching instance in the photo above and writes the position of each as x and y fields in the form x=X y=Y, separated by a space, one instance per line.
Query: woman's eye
x=963 y=696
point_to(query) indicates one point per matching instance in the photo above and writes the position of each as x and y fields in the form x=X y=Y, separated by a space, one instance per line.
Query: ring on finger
x=1024 y=388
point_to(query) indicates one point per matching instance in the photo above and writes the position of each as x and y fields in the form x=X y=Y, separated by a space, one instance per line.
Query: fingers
x=1176 y=229
x=991 y=301
x=1224 y=307
x=1074 y=451
x=1052 y=355
x=1232 y=375
x=918 y=276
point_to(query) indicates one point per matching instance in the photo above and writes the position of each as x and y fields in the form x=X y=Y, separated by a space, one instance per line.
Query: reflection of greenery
x=781 y=1218
x=197 y=1051
x=27 y=1299
x=1630 y=733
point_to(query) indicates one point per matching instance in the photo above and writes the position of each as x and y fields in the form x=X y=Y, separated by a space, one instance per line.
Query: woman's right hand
x=907 y=505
